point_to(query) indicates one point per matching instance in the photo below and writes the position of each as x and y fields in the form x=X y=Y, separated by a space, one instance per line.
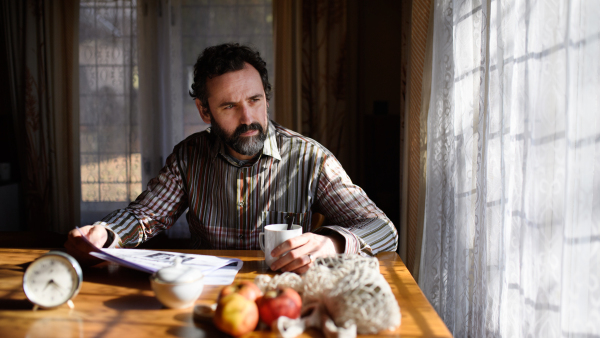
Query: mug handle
x=261 y=239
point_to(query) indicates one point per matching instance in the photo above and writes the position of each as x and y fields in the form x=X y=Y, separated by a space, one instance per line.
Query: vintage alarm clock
x=52 y=280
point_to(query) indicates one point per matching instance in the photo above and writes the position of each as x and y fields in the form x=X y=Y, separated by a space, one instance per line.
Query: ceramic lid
x=178 y=273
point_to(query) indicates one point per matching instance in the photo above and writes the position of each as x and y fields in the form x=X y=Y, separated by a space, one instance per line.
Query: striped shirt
x=229 y=204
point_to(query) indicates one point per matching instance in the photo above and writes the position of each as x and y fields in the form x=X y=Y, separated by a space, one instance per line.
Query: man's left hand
x=297 y=259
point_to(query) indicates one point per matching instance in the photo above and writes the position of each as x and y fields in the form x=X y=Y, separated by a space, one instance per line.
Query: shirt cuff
x=352 y=245
x=116 y=242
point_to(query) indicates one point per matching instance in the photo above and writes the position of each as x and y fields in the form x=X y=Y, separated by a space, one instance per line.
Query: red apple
x=244 y=288
x=236 y=315
x=282 y=302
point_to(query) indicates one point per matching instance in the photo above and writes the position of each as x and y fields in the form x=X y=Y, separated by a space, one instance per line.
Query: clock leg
x=70 y=304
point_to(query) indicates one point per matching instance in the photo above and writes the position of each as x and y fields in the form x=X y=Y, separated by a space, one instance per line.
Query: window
x=108 y=83
x=110 y=128
x=208 y=23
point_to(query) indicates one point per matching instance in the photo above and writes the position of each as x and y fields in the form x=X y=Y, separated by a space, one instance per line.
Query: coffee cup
x=274 y=235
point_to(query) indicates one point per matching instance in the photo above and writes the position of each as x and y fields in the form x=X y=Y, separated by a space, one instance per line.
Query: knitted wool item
x=347 y=289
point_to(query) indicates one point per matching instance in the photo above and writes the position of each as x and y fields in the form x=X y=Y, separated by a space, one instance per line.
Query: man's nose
x=245 y=114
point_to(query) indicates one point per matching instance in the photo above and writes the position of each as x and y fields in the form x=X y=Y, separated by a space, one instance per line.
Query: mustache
x=247 y=127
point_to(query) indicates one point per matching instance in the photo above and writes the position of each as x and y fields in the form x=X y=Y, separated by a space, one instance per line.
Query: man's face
x=238 y=111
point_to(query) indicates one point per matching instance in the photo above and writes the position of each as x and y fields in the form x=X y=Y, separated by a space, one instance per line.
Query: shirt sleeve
x=155 y=210
x=351 y=213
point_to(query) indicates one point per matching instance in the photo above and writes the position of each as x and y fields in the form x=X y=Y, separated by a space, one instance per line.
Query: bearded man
x=243 y=173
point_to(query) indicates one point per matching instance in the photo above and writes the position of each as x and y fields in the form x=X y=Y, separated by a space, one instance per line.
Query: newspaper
x=216 y=270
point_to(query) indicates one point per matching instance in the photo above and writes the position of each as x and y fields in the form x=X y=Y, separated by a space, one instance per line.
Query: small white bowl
x=177 y=286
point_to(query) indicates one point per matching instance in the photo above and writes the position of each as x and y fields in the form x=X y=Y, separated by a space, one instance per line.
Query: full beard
x=245 y=145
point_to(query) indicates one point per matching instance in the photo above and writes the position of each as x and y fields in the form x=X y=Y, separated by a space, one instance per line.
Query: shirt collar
x=270 y=147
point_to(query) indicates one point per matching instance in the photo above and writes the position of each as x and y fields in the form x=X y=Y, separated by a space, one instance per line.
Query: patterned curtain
x=324 y=63
x=287 y=41
x=512 y=220
x=418 y=93
x=44 y=57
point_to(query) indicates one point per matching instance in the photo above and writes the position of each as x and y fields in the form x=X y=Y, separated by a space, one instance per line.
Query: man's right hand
x=78 y=248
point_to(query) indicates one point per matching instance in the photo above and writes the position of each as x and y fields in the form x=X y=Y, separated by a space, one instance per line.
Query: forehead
x=235 y=85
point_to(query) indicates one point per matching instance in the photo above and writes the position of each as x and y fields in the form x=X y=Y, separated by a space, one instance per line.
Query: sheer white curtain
x=511 y=244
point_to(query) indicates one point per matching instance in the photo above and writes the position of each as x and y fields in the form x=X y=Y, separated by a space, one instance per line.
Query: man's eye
x=229 y=106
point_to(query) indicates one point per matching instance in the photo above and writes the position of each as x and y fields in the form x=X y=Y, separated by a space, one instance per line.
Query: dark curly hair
x=221 y=59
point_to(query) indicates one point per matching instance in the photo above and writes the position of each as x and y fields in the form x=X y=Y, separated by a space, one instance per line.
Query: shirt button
x=241 y=204
x=241 y=236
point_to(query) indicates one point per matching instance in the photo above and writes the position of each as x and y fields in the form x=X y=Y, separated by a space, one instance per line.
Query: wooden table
x=118 y=302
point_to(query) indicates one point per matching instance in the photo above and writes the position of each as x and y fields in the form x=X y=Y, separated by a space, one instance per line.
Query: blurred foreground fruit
x=282 y=302
x=236 y=315
x=244 y=288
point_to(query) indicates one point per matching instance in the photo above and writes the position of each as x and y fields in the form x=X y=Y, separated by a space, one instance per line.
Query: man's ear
x=203 y=111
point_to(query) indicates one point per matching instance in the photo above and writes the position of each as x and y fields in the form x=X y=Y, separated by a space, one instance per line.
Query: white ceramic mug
x=274 y=235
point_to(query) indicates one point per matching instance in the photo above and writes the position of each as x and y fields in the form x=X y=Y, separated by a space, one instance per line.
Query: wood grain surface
x=118 y=302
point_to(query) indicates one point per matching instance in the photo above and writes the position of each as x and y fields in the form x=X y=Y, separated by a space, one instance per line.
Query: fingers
x=78 y=248
x=77 y=233
x=96 y=235
x=292 y=261
x=301 y=270
x=291 y=244
x=297 y=258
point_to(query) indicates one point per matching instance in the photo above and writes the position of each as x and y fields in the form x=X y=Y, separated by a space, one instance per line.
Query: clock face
x=52 y=280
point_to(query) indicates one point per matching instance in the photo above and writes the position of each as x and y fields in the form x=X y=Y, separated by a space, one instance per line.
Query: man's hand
x=78 y=248
x=297 y=259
